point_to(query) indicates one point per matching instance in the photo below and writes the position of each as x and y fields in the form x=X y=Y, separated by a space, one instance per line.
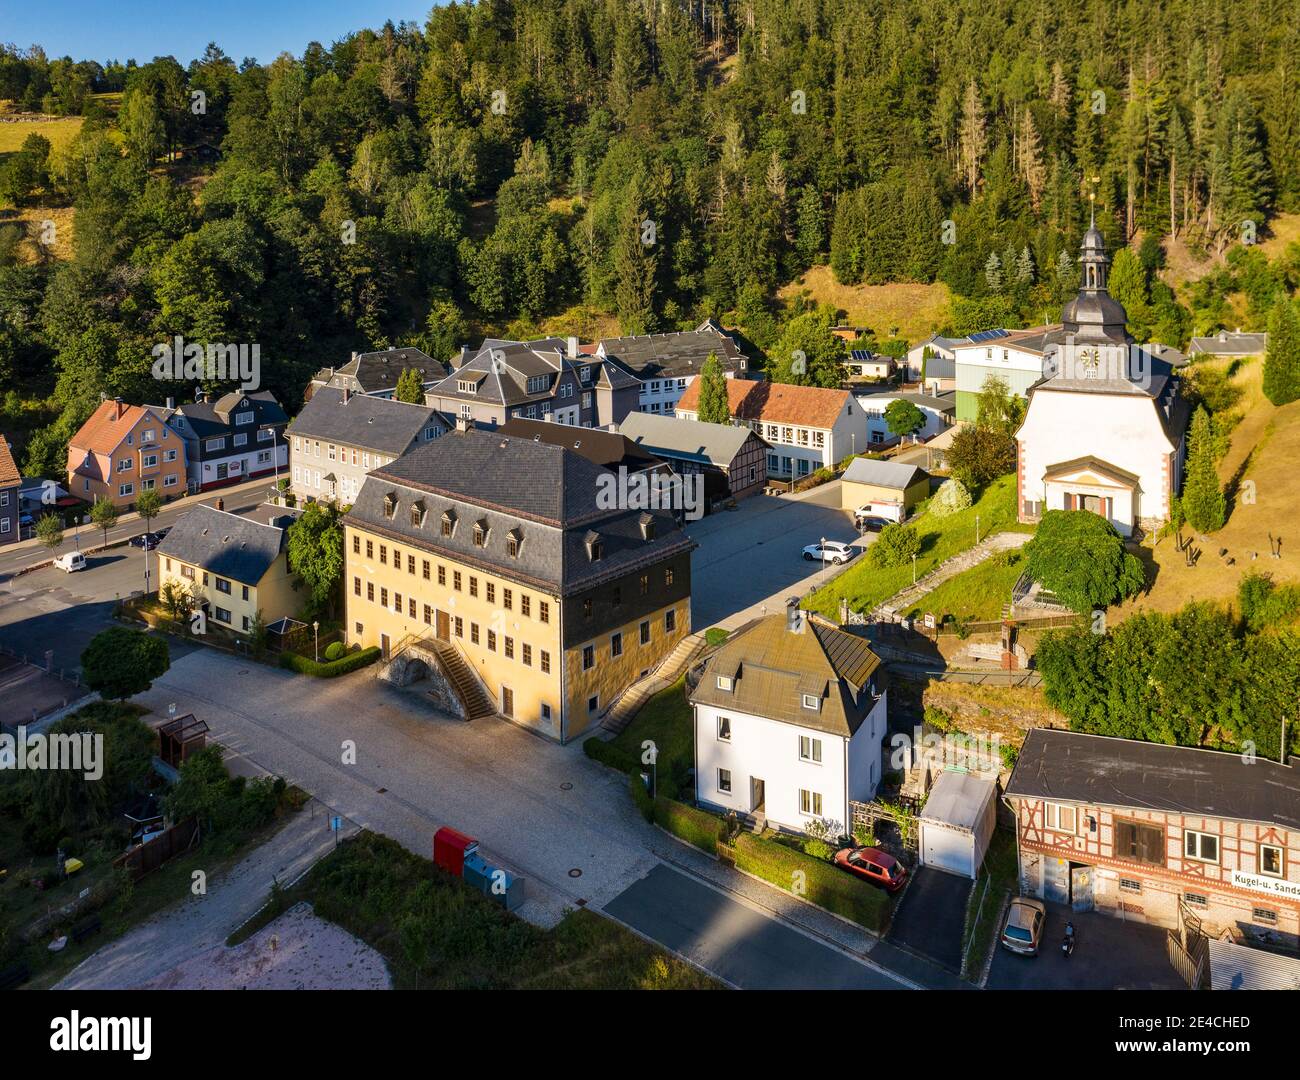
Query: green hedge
x=641 y=797
x=824 y=884
x=697 y=827
x=351 y=662
x=607 y=753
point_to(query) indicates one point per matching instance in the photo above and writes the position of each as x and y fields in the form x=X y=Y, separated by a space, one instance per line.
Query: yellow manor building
x=506 y=551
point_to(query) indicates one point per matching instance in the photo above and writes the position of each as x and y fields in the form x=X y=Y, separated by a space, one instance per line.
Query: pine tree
x=635 y=265
x=974 y=136
x=713 y=408
x=993 y=272
x=1282 y=360
x=1030 y=151
x=1203 y=503
x=1025 y=266
x=409 y=387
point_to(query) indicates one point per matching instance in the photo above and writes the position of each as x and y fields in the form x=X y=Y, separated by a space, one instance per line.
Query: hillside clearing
x=915 y=310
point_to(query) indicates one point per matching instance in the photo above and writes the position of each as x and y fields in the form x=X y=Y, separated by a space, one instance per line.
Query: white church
x=1106 y=425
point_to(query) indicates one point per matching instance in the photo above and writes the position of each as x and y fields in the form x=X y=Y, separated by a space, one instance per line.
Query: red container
x=450 y=848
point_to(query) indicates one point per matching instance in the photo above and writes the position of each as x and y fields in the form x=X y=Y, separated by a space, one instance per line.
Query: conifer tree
x=1282 y=360
x=714 y=408
x=1203 y=503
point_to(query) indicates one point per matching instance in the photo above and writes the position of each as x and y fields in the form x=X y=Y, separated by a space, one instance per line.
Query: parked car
x=876 y=866
x=869 y=522
x=831 y=551
x=1023 y=929
x=70 y=561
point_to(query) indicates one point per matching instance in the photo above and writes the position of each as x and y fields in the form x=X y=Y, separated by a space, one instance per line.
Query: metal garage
x=957 y=823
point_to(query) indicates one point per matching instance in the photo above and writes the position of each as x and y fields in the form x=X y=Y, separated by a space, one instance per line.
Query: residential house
x=1230 y=343
x=376 y=373
x=887 y=489
x=1014 y=356
x=233 y=566
x=1146 y=832
x=123 y=450
x=939 y=365
x=732 y=459
x=238 y=437
x=863 y=364
x=340 y=436
x=938 y=411
x=1105 y=430
x=548 y=379
x=789 y=718
x=497 y=553
x=10 y=485
x=666 y=364
x=808 y=427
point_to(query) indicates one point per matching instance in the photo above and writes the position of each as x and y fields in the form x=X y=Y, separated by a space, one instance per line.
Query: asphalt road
x=747 y=949
x=239 y=497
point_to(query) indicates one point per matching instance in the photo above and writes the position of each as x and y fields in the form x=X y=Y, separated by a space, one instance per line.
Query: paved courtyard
x=751 y=555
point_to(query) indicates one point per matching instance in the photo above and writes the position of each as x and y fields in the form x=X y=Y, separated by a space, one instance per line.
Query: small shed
x=181 y=737
x=957 y=822
x=887 y=488
x=286 y=635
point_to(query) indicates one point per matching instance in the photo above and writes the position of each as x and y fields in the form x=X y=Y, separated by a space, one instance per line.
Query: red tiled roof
x=104 y=430
x=8 y=470
x=776 y=403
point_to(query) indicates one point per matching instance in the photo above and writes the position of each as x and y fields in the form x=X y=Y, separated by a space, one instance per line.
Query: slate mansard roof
x=549 y=493
x=675 y=355
x=372 y=423
x=225 y=544
x=1098 y=770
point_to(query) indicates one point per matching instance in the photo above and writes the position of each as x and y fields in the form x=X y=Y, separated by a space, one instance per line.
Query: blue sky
x=142 y=29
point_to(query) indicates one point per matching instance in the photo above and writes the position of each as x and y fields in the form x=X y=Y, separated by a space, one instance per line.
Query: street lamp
x=913 y=569
x=315 y=629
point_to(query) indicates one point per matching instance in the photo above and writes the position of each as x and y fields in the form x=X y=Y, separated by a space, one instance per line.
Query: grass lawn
x=977 y=593
x=865 y=586
x=665 y=720
x=1000 y=873
x=916 y=310
x=436 y=932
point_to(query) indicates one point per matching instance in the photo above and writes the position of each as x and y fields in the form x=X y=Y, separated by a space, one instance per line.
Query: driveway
x=745 y=948
x=1109 y=954
x=931 y=916
x=751 y=556
x=199 y=923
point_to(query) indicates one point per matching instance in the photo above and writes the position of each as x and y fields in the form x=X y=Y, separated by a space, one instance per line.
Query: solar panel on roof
x=987 y=335
x=860 y=354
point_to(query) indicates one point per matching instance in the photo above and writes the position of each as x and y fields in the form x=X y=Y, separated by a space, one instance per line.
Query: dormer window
x=390 y=505
x=539 y=384
x=481 y=530
x=514 y=540
x=726 y=683
x=584 y=373
x=812 y=701
x=466 y=386
x=449 y=523
x=595 y=546
x=647 y=524
x=417 y=514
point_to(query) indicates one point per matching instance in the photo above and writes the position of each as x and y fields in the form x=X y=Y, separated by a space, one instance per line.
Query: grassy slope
x=1265 y=450
x=977 y=593
x=665 y=720
x=917 y=310
x=941 y=538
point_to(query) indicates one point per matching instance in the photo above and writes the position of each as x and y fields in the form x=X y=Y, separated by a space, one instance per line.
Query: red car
x=874 y=865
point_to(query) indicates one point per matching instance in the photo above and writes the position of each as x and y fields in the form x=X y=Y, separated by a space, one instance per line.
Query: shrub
x=334 y=650
x=952 y=496
x=697 y=827
x=863 y=836
x=716 y=635
x=1080 y=557
x=641 y=796
x=306 y=666
x=895 y=546
x=823 y=884
x=607 y=753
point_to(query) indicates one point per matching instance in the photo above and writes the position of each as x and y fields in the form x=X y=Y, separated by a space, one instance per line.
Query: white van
x=70 y=561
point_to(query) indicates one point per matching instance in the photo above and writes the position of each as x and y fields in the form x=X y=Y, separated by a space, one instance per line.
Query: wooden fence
x=146 y=858
x=1189 y=963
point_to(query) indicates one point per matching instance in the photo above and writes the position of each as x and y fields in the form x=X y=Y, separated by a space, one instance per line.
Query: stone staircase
x=889 y=610
x=667 y=673
x=463 y=681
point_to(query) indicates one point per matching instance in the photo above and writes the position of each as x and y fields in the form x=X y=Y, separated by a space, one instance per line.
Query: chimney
x=171 y=403
x=347 y=394
x=462 y=423
x=199 y=395
x=573 y=348
x=464 y=356
x=118 y=408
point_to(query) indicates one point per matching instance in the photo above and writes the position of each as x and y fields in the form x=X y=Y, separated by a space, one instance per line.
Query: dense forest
x=516 y=160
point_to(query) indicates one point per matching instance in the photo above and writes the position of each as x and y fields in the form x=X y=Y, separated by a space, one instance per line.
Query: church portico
x=1095 y=486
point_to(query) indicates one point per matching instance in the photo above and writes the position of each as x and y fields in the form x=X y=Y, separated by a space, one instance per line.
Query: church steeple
x=1094 y=315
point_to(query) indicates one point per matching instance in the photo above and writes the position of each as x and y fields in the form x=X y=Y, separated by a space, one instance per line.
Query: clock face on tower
x=1089 y=362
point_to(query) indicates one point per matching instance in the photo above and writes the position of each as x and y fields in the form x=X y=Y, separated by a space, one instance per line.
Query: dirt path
x=200 y=923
